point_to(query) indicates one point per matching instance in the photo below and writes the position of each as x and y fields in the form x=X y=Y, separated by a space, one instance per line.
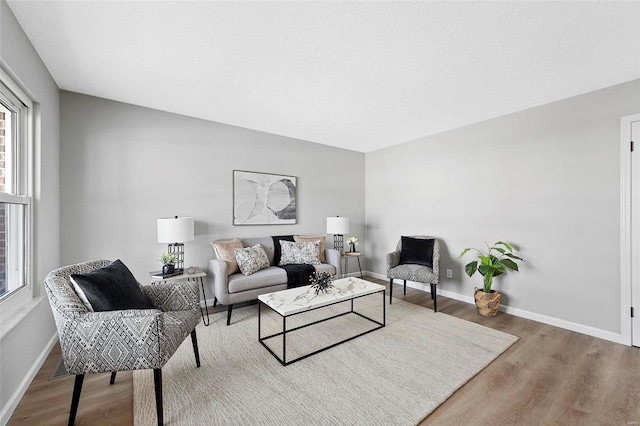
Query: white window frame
x=17 y=298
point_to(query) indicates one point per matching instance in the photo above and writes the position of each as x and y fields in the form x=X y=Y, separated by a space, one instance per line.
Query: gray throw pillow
x=251 y=259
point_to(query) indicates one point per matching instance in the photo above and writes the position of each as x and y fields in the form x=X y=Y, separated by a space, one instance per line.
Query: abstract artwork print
x=263 y=199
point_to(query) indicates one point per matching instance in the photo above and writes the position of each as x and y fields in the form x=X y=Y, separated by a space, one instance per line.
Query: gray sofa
x=238 y=288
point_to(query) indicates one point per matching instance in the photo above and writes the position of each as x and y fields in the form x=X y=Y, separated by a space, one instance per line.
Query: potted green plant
x=168 y=261
x=495 y=261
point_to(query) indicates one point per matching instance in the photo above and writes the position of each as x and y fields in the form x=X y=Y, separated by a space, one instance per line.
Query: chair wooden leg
x=194 y=342
x=157 y=379
x=75 y=399
x=405 y=287
x=215 y=302
x=229 y=314
x=113 y=378
x=434 y=296
x=390 y=291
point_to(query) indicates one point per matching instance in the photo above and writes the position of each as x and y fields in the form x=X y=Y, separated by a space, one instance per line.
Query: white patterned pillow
x=319 y=238
x=251 y=259
x=300 y=253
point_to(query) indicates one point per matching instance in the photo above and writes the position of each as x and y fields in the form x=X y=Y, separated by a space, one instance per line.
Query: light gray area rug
x=393 y=376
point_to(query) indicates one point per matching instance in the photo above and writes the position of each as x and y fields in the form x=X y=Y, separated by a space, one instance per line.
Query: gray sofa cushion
x=264 y=278
x=266 y=243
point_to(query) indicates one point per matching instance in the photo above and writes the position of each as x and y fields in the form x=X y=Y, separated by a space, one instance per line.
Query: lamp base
x=338 y=243
x=178 y=250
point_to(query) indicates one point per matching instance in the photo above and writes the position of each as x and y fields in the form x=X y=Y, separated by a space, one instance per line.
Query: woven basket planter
x=487 y=303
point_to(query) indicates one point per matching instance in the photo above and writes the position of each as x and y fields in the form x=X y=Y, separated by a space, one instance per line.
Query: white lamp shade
x=175 y=229
x=337 y=225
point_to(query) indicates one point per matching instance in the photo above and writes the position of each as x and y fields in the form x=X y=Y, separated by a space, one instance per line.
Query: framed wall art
x=264 y=199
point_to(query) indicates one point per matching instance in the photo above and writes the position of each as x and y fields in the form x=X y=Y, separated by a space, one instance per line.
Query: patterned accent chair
x=411 y=272
x=112 y=341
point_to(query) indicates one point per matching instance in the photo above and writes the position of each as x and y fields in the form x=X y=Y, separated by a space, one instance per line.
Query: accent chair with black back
x=108 y=322
x=416 y=258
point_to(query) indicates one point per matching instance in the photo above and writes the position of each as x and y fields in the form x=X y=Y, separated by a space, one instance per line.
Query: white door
x=635 y=233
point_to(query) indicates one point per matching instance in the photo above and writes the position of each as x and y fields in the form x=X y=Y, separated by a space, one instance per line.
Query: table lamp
x=175 y=231
x=338 y=226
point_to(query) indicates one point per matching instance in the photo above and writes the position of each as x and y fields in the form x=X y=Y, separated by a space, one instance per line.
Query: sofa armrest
x=219 y=282
x=333 y=258
x=393 y=259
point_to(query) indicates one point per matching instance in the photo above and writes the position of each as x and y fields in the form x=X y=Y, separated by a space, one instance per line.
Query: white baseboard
x=354 y=274
x=11 y=405
x=556 y=322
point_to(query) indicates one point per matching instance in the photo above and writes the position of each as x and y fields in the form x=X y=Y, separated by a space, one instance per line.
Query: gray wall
x=546 y=179
x=24 y=343
x=123 y=166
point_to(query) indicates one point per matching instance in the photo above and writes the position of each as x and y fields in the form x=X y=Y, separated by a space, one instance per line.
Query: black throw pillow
x=111 y=288
x=277 y=249
x=418 y=251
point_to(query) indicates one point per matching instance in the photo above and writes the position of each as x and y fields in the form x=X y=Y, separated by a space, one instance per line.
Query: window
x=15 y=196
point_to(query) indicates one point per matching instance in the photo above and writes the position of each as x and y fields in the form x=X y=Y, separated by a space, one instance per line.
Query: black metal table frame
x=284 y=332
x=204 y=296
x=346 y=265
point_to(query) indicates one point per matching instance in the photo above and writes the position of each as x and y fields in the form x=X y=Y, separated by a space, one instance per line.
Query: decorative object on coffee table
x=338 y=226
x=168 y=261
x=175 y=231
x=495 y=261
x=321 y=282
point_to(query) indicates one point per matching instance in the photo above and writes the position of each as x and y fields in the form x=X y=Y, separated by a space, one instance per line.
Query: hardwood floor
x=47 y=400
x=551 y=376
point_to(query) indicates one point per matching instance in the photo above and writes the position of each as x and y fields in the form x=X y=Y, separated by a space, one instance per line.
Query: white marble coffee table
x=295 y=301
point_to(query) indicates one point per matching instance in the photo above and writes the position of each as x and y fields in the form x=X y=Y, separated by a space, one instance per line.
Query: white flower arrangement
x=352 y=240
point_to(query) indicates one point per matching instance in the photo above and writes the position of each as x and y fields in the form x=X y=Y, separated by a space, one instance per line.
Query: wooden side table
x=346 y=258
x=197 y=276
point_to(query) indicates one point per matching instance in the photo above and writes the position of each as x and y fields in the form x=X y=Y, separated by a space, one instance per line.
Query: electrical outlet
x=449 y=273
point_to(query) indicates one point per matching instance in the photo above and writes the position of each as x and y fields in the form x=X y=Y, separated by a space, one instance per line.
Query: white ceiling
x=358 y=75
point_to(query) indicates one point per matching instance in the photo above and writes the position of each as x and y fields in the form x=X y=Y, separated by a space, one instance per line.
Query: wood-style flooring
x=551 y=376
